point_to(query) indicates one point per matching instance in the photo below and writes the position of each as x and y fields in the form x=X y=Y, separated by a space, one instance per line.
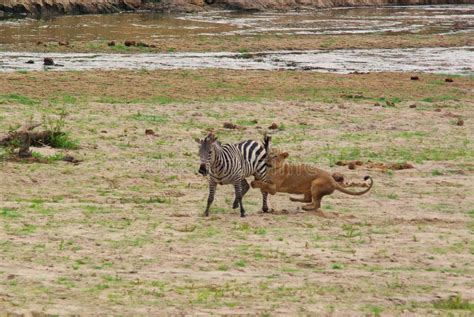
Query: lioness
x=304 y=179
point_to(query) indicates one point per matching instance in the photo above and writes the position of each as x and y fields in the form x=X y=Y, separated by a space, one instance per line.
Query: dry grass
x=266 y=42
x=122 y=232
x=226 y=86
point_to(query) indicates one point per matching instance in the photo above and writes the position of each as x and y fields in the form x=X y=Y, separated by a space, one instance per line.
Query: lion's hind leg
x=318 y=191
x=305 y=199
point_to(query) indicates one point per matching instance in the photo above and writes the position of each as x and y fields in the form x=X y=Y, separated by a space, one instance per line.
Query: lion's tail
x=345 y=191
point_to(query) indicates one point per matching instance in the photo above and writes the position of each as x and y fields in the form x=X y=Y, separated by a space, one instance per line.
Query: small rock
x=414 y=78
x=438 y=110
x=353 y=96
x=449 y=80
x=10 y=277
x=228 y=125
x=376 y=104
x=30 y=62
x=389 y=103
x=71 y=159
x=129 y=43
x=152 y=46
x=400 y=166
x=274 y=126
x=460 y=122
x=149 y=132
x=351 y=166
x=61 y=43
x=141 y=44
x=412 y=105
x=39 y=43
x=338 y=177
x=48 y=61
x=111 y=43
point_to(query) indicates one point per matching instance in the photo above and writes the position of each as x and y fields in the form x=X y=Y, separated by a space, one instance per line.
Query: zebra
x=231 y=164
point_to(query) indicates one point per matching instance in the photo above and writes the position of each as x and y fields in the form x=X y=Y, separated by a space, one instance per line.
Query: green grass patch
x=49 y=159
x=374 y=310
x=439 y=98
x=18 y=99
x=337 y=266
x=150 y=118
x=246 y=122
x=399 y=154
x=9 y=213
x=64 y=141
x=454 y=303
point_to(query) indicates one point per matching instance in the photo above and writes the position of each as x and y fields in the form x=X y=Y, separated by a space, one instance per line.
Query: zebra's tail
x=266 y=141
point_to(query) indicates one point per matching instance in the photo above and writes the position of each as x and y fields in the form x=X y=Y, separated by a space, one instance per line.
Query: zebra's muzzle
x=203 y=170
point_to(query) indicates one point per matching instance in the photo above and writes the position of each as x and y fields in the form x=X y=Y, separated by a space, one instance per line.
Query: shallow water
x=148 y=26
x=429 y=60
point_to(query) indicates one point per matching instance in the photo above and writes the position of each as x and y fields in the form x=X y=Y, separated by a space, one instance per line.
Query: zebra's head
x=205 y=150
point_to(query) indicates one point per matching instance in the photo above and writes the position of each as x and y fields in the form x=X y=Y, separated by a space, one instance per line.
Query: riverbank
x=451 y=61
x=61 y=7
x=225 y=31
x=245 y=44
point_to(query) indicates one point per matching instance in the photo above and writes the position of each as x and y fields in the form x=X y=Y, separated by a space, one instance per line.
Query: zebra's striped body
x=232 y=164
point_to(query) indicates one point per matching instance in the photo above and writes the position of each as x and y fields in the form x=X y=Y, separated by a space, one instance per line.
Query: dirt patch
x=375 y=165
x=122 y=232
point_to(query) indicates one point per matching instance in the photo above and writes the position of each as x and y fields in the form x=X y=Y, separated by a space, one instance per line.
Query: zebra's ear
x=212 y=137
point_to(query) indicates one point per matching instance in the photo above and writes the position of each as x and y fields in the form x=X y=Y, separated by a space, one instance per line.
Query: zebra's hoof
x=242 y=216
x=235 y=205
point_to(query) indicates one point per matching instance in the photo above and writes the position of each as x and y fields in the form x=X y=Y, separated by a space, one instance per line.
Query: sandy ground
x=123 y=232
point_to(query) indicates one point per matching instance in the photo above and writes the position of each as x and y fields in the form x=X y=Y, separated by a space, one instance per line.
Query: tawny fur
x=304 y=179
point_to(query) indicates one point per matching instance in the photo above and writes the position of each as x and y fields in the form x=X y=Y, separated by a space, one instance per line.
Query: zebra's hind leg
x=210 y=198
x=265 y=201
x=238 y=197
x=245 y=188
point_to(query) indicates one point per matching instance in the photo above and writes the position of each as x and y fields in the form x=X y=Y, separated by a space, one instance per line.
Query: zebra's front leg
x=238 y=197
x=210 y=198
x=245 y=188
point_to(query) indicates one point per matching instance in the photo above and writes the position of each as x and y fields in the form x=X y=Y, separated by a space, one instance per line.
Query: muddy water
x=430 y=60
x=148 y=26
